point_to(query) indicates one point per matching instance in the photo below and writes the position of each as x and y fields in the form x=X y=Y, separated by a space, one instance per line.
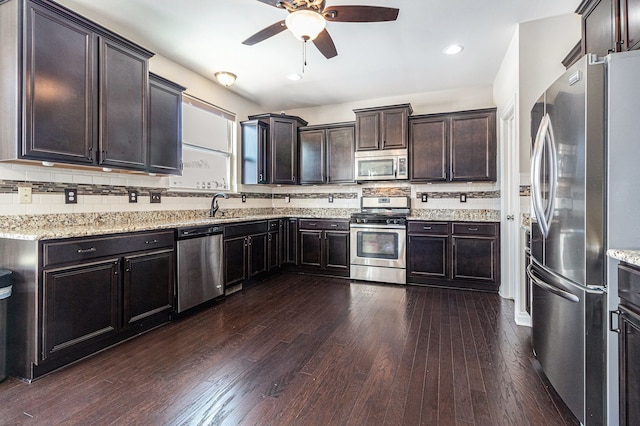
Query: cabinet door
x=429 y=149
x=291 y=241
x=311 y=248
x=273 y=255
x=367 y=131
x=312 y=156
x=336 y=248
x=165 y=133
x=235 y=261
x=284 y=151
x=123 y=110
x=394 y=128
x=629 y=367
x=473 y=147
x=257 y=254
x=255 y=137
x=475 y=258
x=427 y=256
x=148 y=284
x=60 y=88
x=600 y=28
x=631 y=23
x=81 y=306
x=340 y=155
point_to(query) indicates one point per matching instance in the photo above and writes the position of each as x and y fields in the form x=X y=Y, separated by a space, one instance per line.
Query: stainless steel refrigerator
x=586 y=151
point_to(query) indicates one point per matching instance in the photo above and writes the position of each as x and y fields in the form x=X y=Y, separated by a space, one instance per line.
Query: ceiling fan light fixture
x=305 y=24
x=225 y=78
x=454 y=49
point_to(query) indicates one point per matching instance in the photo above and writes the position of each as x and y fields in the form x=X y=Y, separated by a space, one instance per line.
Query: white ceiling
x=374 y=59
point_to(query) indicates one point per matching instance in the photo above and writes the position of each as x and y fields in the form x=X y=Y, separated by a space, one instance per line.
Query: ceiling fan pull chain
x=304 y=55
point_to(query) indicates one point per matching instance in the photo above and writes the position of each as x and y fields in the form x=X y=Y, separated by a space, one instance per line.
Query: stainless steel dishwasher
x=200 y=265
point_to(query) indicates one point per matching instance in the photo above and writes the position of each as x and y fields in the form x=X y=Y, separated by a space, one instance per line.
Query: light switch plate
x=463 y=198
x=331 y=198
x=24 y=195
x=71 y=196
x=156 y=197
x=133 y=196
x=244 y=198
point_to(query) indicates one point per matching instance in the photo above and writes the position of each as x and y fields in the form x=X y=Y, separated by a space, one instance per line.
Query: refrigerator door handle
x=553 y=171
x=555 y=290
x=536 y=176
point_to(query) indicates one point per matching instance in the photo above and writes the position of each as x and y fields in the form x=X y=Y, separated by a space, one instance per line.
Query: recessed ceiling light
x=454 y=49
x=294 y=77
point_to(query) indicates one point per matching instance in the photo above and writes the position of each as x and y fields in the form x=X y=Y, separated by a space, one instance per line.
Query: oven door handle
x=375 y=227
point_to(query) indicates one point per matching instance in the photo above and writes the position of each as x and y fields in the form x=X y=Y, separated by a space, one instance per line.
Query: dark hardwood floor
x=303 y=350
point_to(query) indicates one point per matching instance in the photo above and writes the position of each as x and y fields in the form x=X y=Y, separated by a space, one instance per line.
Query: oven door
x=378 y=245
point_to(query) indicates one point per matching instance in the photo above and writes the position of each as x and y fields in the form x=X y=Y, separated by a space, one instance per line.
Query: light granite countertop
x=49 y=227
x=629 y=256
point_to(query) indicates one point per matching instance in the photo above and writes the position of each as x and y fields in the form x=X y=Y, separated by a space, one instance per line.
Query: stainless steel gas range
x=378 y=237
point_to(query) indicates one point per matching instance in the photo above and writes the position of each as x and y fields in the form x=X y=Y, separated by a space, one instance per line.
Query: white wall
x=543 y=45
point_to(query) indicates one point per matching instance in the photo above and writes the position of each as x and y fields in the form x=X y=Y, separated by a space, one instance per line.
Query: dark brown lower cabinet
x=629 y=343
x=148 y=284
x=246 y=252
x=456 y=254
x=324 y=246
x=100 y=291
x=80 y=305
x=290 y=243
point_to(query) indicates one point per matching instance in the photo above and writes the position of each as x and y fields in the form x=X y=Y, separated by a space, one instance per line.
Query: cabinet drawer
x=629 y=284
x=244 y=229
x=78 y=250
x=473 y=228
x=329 y=225
x=428 y=228
x=274 y=225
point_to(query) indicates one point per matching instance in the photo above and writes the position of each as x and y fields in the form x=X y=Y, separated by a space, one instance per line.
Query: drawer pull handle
x=334 y=225
x=89 y=250
x=151 y=242
x=312 y=224
x=426 y=228
x=473 y=229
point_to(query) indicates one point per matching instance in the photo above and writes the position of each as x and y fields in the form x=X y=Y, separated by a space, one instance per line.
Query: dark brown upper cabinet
x=429 y=148
x=71 y=91
x=281 y=155
x=165 y=126
x=327 y=153
x=457 y=146
x=382 y=127
x=255 y=149
x=610 y=26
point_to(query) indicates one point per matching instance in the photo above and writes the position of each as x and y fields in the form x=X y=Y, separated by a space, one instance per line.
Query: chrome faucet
x=214 y=203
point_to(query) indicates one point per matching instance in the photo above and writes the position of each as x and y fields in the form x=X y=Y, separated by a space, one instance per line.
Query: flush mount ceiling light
x=225 y=78
x=454 y=49
x=305 y=24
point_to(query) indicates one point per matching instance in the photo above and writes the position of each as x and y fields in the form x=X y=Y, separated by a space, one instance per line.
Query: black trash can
x=6 y=280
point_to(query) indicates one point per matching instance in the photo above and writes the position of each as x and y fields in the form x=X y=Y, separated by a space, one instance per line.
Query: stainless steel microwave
x=392 y=164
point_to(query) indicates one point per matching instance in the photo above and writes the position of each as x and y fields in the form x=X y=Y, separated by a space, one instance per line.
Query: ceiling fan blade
x=264 y=34
x=325 y=45
x=360 y=14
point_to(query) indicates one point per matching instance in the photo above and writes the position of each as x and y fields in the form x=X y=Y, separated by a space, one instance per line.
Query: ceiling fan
x=307 y=20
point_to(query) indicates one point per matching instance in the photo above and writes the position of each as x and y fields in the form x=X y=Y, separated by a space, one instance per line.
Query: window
x=208 y=138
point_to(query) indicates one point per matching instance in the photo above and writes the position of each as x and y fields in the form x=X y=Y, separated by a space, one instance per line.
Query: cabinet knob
x=510 y=217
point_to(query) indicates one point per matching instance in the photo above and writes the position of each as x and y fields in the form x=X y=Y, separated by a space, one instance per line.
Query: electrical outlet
x=287 y=199
x=133 y=196
x=155 y=198
x=244 y=198
x=24 y=195
x=463 y=198
x=71 y=196
x=331 y=198
x=424 y=197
